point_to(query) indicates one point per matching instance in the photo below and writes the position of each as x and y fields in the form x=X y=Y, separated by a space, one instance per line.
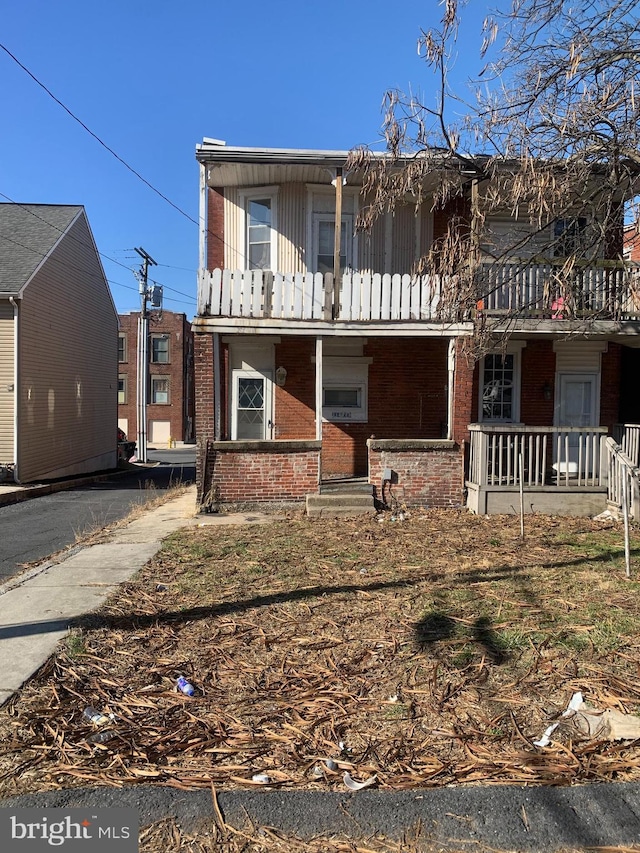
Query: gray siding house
x=58 y=346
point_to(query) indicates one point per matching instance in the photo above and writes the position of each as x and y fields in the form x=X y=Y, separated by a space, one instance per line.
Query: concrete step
x=339 y=504
x=356 y=486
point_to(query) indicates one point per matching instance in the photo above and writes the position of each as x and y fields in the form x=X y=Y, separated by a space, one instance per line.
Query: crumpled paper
x=589 y=723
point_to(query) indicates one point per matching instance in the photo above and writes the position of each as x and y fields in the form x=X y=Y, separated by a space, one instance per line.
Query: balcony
x=527 y=291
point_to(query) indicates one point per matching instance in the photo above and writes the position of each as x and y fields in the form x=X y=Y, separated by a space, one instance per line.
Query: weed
x=75 y=643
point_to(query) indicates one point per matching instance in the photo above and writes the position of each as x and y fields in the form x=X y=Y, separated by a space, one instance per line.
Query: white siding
x=68 y=369
x=7 y=396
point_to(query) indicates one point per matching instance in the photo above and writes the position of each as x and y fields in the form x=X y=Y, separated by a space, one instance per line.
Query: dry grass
x=424 y=653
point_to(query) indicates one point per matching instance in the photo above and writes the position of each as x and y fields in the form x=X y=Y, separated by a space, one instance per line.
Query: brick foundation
x=425 y=473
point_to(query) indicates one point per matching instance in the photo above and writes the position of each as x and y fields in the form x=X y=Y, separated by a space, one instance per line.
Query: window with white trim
x=345 y=389
x=258 y=228
x=122 y=388
x=500 y=386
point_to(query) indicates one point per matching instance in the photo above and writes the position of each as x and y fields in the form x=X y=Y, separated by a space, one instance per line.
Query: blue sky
x=152 y=78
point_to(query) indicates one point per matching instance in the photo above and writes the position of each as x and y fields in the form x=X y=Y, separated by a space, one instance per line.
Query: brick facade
x=178 y=413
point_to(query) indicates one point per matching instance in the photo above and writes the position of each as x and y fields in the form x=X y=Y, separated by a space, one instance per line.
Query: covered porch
x=558 y=470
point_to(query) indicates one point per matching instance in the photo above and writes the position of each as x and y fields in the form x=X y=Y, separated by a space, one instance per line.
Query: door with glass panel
x=251 y=400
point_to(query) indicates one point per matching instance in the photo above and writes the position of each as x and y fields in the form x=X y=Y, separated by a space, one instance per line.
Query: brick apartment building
x=170 y=413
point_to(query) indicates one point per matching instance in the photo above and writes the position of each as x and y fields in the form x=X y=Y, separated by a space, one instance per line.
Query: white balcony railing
x=529 y=290
x=551 y=456
x=607 y=290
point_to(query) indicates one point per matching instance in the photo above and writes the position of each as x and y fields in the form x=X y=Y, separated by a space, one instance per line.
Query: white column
x=319 y=389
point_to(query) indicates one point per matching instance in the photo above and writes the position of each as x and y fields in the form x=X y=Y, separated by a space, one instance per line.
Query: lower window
x=160 y=390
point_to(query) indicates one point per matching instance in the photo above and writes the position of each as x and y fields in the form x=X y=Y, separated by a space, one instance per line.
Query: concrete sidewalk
x=38 y=607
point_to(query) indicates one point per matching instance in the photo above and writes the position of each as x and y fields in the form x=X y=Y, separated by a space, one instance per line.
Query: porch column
x=319 y=389
x=217 y=374
x=451 y=368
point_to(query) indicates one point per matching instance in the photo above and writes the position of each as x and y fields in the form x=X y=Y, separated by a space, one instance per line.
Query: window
x=160 y=390
x=122 y=389
x=324 y=232
x=259 y=243
x=500 y=384
x=122 y=347
x=160 y=349
x=569 y=236
x=344 y=388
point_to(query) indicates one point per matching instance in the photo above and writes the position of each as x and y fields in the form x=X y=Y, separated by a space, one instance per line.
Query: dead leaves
x=294 y=655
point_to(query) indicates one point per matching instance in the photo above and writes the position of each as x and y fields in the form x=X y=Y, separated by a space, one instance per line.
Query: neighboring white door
x=251 y=406
x=577 y=406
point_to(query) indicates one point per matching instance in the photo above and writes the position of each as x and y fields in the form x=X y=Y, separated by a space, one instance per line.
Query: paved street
x=34 y=529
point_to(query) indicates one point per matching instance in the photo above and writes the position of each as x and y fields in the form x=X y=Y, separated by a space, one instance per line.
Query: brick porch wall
x=426 y=473
x=240 y=471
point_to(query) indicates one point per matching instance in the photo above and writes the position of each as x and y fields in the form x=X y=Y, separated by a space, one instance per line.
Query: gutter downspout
x=15 y=389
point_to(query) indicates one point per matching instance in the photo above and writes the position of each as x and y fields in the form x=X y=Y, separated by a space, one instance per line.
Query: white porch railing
x=551 y=456
x=620 y=468
x=628 y=437
x=532 y=290
x=608 y=290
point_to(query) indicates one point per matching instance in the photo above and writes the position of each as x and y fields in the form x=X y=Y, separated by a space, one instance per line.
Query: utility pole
x=143 y=354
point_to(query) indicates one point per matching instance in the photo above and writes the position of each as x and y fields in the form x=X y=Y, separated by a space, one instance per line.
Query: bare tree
x=550 y=141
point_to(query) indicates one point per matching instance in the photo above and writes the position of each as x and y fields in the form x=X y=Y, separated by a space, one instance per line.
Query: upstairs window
x=122 y=347
x=324 y=233
x=569 y=236
x=258 y=233
x=160 y=349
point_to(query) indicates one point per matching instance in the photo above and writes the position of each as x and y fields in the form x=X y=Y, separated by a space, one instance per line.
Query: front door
x=251 y=414
x=577 y=407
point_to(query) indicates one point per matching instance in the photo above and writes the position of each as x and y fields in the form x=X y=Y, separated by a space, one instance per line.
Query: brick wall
x=261 y=471
x=295 y=403
x=538 y=369
x=426 y=473
x=610 y=386
x=465 y=394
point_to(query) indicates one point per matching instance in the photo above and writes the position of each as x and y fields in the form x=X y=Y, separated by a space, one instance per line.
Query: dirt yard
x=427 y=652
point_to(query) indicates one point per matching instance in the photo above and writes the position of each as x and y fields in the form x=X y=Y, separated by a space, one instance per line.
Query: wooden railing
x=529 y=290
x=548 y=456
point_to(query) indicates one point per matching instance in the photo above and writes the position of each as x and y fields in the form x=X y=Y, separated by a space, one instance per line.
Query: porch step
x=348 y=486
x=340 y=503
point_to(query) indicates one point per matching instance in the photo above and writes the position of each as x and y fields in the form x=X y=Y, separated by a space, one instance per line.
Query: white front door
x=251 y=406
x=577 y=407
x=577 y=404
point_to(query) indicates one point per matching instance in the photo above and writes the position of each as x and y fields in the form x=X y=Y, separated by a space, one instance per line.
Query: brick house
x=302 y=380
x=170 y=411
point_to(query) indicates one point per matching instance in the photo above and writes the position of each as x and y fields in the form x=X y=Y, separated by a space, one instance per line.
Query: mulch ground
x=427 y=652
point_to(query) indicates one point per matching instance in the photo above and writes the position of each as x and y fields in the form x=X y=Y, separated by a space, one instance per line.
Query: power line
x=86 y=245
x=96 y=137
